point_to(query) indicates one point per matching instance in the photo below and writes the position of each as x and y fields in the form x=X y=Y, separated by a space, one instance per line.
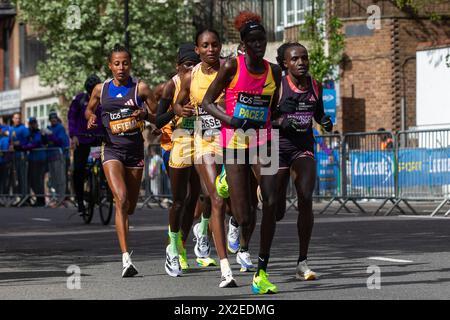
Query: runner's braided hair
x=118 y=48
x=282 y=50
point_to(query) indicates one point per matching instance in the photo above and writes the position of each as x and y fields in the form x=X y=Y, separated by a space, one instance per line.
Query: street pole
x=127 y=34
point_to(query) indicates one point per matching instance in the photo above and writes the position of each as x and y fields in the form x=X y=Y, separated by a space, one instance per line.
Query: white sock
x=225 y=266
x=125 y=257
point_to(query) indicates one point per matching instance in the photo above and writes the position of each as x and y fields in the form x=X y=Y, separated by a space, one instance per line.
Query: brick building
x=377 y=86
x=378 y=74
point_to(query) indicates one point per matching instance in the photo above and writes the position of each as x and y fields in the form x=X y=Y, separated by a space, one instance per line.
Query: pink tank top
x=249 y=96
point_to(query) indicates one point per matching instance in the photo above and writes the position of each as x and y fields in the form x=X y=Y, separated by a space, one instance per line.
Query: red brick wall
x=366 y=82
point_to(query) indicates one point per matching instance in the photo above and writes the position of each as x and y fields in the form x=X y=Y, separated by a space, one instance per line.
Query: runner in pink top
x=251 y=87
x=249 y=97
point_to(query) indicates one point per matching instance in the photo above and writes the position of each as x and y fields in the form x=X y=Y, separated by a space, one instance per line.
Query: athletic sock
x=125 y=258
x=203 y=228
x=234 y=222
x=301 y=259
x=225 y=266
x=263 y=260
x=173 y=249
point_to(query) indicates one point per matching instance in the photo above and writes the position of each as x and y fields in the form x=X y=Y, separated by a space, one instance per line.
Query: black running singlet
x=122 y=129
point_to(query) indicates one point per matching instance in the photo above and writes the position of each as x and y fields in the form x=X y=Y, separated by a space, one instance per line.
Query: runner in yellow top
x=197 y=142
x=165 y=120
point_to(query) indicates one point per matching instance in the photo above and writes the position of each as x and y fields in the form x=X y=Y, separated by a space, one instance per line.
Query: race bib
x=121 y=122
x=253 y=107
x=208 y=121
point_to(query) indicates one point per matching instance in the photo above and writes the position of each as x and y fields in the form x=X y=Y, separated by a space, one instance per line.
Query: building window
x=40 y=110
x=291 y=12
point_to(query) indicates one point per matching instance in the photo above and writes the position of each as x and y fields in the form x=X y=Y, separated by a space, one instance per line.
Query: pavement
x=357 y=256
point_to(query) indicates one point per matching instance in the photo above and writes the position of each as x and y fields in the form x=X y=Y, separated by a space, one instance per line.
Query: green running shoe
x=262 y=285
x=222 y=185
x=206 y=262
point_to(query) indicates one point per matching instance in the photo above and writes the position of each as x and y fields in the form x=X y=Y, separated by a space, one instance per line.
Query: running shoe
x=202 y=247
x=227 y=281
x=233 y=237
x=206 y=262
x=128 y=270
x=304 y=273
x=172 y=266
x=243 y=258
x=262 y=285
x=222 y=185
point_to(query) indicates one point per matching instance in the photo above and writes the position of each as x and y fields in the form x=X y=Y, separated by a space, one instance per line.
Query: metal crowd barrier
x=156 y=182
x=424 y=167
x=40 y=174
x=368 y=168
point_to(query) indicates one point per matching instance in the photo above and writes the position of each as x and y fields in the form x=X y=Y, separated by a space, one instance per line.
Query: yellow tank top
x=166 y=136
x=200 y=83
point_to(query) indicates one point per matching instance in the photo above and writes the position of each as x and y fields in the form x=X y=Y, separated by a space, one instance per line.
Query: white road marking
x=41 y=219
x=389 y=259
x=425 y=217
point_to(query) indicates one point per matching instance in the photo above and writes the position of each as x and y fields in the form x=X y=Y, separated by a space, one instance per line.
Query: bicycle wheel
x=87 y=217
x=106 y=205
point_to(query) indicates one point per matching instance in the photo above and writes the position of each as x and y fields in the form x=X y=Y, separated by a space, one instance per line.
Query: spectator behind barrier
x=36 y=162
x=57 y=138
x=386 y=141
x=19 y=135
x=5 y=160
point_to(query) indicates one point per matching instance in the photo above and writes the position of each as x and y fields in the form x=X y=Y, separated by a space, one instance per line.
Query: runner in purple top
x=126 y=103
x=300 y=103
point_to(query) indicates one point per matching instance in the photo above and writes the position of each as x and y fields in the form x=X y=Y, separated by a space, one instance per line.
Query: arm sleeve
x=319 y=112
x=163 y=116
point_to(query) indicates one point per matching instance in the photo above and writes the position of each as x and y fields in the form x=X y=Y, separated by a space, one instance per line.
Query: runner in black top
x=123 y=114
x=300 y=102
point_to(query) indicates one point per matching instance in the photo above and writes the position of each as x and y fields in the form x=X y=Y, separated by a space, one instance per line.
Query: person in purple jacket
x=81 y=140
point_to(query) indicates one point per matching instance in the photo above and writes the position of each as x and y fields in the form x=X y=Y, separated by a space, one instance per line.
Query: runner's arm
x=224 y=77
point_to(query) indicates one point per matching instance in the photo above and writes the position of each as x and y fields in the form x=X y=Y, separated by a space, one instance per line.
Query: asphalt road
x=38 y=245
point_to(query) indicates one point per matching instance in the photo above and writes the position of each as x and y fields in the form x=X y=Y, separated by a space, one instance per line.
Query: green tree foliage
x=421 y=6
x=315 y=31
x=156 y=29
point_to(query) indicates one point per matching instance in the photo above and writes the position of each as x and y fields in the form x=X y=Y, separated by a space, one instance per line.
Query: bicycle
x=96 y=189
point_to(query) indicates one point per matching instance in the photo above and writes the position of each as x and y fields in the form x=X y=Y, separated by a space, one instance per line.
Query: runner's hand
x=92 y=122
x=188 y=111
x=326 y=123
x=140 y=114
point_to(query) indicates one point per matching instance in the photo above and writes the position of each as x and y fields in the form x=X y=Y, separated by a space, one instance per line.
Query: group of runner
x=216 y=117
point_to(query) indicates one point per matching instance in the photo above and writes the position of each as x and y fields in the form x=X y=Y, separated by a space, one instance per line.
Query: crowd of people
x=27 y=153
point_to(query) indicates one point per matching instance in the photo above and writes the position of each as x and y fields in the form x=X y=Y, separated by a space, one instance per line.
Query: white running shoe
x=128 y=270
x=172 y=266
x=227 y=281
x=304 y=273
x=233 y=237
x=202 y=247
x=243 y=258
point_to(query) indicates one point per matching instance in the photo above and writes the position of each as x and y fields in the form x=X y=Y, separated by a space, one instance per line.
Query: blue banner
x=372 y=168
x=329 y=103
x=328 y=171
x=423 y=167
x=416 y=167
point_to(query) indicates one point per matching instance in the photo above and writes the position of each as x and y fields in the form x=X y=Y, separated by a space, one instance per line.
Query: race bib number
x=121 y=122
x=253 y=107
x=208 y=121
